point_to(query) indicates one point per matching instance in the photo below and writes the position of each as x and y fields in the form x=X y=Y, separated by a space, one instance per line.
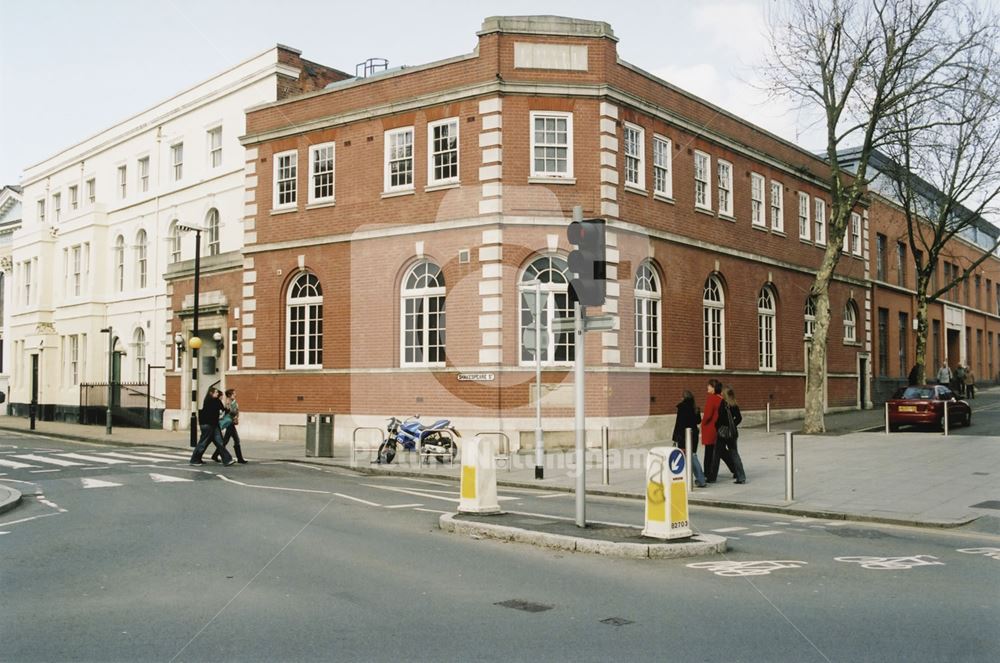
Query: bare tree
x=944 y=172
x=855 y=64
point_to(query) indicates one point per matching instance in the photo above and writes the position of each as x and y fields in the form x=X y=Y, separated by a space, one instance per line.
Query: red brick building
x=392 y=222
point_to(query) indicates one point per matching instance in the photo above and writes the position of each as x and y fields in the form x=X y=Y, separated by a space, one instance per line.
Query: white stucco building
x=10 y=221
x=100 y=228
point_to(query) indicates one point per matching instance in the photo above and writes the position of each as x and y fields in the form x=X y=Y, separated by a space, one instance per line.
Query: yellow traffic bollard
x=666 y=495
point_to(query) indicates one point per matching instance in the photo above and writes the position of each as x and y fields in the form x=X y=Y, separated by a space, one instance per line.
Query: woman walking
x=708 y=433
x=229 y=431
x=728 y=432
x=689 y=417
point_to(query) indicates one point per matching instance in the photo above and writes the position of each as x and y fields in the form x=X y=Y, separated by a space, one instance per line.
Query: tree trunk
x=922 y=325
x=816 y=370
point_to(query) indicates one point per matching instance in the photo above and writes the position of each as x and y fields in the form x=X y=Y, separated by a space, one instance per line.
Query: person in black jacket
x=688 y=416
x=728 y=429
x=211 y=411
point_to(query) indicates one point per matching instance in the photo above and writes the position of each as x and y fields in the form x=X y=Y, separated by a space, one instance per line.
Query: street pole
x=33 y=408
x=195 y=340
x=539 y=444
x=111 y=368
x=580 y=423
x=149 y=391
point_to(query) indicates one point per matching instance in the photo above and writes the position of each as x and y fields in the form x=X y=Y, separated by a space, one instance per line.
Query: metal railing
x=503 y=447
x=355 y=449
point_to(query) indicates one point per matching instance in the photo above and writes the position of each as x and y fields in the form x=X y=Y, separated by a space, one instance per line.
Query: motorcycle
x=434 y=440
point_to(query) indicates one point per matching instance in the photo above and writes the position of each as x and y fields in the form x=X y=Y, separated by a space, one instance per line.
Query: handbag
x=225 y=421
x=727 y=431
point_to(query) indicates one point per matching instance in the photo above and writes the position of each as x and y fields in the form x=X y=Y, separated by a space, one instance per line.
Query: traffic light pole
x=581 y=432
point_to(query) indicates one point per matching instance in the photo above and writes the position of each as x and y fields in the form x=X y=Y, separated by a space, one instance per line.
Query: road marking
x=172 y=457
x=433 y=483
x=356 y=499
x=14 y=465
x=993 y=553
x=146 y=459
x=166 y=478
x=401 y=506
x=94 y=459
x=2 y=533
x=764 y=533
x=723 y=530
x=251 y=485
x=891 y=563
x=99 y=467
x=43 y=471
x=48 y=459
x=432 y=511
x=551 y=495
x=729 y=569
x=97 y=483
x=25 y=520
x=414 y=492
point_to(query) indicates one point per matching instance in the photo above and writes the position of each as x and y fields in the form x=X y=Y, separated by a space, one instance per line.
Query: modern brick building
x=393 y=221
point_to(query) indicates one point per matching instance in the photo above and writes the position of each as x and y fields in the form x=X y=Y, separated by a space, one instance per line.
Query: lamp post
x=111 y=367
x=195 y=341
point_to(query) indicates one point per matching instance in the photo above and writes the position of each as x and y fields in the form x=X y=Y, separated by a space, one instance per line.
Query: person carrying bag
x=728 y=432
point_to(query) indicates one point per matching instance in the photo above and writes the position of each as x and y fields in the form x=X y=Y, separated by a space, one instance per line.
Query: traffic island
x=609 y=539
x=9 y=498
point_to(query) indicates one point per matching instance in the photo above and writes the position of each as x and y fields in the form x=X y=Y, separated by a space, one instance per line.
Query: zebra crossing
x=760 y=530
x=41 y=462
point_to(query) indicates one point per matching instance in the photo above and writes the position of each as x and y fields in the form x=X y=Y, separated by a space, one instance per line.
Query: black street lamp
x=195 y=341
x=111 y=370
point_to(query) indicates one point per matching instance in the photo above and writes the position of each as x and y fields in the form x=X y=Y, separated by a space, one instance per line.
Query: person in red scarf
x=709 y=418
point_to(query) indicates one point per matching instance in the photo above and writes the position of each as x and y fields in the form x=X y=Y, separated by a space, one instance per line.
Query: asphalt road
x=132 y=555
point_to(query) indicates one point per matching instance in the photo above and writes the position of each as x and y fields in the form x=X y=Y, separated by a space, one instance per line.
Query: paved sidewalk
x=914 y=478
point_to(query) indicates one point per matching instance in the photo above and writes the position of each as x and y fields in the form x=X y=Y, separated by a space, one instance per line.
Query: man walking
x=209 y=415
x=944 y=374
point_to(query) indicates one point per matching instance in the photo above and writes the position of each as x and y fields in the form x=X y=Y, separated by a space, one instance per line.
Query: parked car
x=923 y=405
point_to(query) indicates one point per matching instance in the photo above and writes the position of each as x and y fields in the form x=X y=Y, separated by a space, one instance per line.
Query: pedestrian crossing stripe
x=13 y=464
x=147 y=459
x=174 y=458
x=94 y=459
x=48 y=459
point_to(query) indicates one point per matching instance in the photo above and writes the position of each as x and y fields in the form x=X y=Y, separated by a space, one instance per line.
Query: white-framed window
x=139 y=351
x=140 y=259
x=766 y=316
x=76 y=265
x=177 y=160
x=56 y=207
x=41 y=211
x=725 y=173
x=856 y=233
x=286 y=179
x=551 y=144
x=26 y=274
x=819 y=219
x=212 y=225
x=179 y=357
x=399 y=159
x=122 y=182
x=142 y=168
x=702 y=184
x=714 y=323
x=663 y=177
x=214 y=137
x=803 y=215
x=757 y=217
x=648 y=309
x=91 y=190
x=234 y=348
x=850 y=323
x=74 y=197
x=74 y=360
x=555 y=348
x=442 y=152
x=777 y=208
x=423 y=311
x=304 y=315
x=634 y=140
x=175 y=241
x=321 y=174
x=120 y=263
x=810 y=317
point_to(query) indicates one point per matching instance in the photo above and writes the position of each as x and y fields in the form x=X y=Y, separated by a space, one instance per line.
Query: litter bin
x=319 y=436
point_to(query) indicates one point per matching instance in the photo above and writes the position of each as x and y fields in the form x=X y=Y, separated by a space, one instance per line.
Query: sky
x=72 y=68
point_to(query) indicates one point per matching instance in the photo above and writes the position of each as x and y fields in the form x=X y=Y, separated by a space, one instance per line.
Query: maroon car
x=924 y=406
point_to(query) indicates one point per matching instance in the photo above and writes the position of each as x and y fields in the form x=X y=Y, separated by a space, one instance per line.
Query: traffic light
x=587 y=262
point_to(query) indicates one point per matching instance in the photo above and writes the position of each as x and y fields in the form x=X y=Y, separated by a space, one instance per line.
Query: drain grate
x=989 y=504
x=527 y=606
x=617 y=621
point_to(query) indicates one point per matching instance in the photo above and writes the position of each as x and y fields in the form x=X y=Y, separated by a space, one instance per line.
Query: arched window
x=647 y=316
x=140 y=259
x=305 y=323
x=850 y=323
x=139 y=351
x=212 y=224
x=175 y=242
x=714 y=322
x=810 y=316
x=120 y=263
x=766 y=312
x=423 y=323
x=555 y=347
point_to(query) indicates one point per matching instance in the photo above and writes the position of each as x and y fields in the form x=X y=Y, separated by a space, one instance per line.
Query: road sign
x=563 y=325
x=604 y=322
x=666 y=495
x=676 y=462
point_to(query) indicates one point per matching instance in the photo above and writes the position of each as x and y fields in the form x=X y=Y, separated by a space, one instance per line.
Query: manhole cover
x=617 y=621
x=527 y=606
x=989 y=504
